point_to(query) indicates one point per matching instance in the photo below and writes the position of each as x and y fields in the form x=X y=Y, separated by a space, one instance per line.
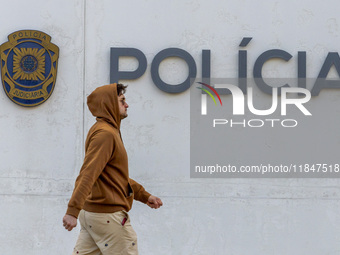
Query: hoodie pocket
x=129 y=196
x=130 y=190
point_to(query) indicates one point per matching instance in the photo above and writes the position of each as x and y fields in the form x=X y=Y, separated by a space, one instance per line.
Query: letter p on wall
x=115 y=74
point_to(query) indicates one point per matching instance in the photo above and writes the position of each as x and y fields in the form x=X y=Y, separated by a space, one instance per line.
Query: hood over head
x=103 y=104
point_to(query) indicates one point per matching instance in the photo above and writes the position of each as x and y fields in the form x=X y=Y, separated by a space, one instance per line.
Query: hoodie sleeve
x=98 y=153
x=140 y=194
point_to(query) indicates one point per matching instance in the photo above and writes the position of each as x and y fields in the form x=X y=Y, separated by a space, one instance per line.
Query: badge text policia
x=29 y=64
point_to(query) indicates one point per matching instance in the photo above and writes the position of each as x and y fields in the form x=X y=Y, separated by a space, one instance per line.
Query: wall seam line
x=84 y=79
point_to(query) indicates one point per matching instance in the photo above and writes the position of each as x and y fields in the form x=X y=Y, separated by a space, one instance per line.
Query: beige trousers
x=105 y=234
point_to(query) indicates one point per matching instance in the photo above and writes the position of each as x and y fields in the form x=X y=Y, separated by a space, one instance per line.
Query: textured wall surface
x=41 y=148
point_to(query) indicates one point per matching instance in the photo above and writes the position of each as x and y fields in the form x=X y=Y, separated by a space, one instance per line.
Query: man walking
x=103 y=192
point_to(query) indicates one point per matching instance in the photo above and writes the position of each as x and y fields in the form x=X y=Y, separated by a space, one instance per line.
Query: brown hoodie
x=103 y=184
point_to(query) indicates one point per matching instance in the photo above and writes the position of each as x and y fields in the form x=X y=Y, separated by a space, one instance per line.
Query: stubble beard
x=123 y=116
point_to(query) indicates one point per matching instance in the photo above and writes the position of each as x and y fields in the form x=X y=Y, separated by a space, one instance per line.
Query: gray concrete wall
x=41 y=148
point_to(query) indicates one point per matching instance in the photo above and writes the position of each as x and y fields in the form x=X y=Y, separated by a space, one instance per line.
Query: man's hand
x=154 y=202
x=69 y=222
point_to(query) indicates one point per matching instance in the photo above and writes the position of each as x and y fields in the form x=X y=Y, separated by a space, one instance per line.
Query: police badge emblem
x=29 y=64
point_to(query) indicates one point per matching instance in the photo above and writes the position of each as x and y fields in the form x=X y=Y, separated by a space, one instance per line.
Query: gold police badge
x=29 y=64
